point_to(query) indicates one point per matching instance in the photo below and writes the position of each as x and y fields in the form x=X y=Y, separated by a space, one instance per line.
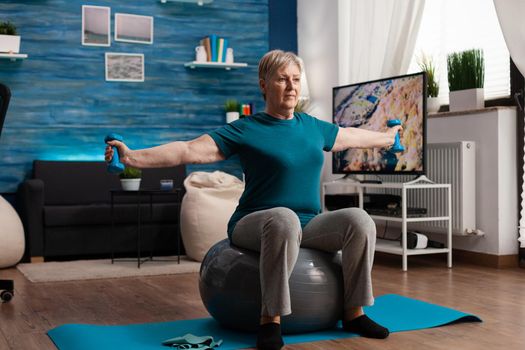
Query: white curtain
x=376 y=37
x=511 y=19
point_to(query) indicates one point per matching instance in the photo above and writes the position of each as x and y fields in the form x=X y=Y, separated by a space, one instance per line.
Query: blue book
x=224 y=48
x=213 y=44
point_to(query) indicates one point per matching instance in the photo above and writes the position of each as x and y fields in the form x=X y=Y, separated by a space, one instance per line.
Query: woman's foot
x=269 y=337
x=366 y=327
x=356 y=321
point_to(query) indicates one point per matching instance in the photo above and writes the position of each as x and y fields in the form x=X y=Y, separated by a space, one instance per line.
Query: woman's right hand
x=123 y=151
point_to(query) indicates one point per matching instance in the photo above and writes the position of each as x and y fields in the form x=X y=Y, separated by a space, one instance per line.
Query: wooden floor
x=497 y=296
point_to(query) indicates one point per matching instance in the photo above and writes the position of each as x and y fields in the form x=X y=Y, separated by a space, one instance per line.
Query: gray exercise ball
x=230 y=289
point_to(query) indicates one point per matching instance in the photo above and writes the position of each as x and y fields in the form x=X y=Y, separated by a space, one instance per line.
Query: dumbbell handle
x=397 y=146
x=115 y=166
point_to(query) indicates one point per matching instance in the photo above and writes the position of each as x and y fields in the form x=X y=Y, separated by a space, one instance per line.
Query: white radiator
x=453 y=163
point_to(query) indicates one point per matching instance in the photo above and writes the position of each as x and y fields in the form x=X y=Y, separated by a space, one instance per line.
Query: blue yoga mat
x=395 y=312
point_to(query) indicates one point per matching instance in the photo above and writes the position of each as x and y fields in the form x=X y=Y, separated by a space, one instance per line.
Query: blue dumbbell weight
x=397 y=146
x=115 y=166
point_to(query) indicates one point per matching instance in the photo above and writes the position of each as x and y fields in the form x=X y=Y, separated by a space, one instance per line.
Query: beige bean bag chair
x=12 y=241
x=209 y=202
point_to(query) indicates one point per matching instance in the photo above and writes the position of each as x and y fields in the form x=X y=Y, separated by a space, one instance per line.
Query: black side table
x=177 y=192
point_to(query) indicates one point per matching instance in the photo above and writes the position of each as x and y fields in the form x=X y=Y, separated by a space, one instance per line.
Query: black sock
x=269 y=337
x=365 y=327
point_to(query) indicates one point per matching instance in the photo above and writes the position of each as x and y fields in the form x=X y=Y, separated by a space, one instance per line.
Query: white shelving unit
x=220 y=65
x=393 y=247
x=13 y=56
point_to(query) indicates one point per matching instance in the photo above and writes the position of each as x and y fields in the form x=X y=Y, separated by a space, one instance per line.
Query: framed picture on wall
x=124 y=67
x=96 y=25
x=133 y=28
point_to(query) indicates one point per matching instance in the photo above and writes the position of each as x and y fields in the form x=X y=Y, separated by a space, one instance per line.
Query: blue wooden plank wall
x=61 y=106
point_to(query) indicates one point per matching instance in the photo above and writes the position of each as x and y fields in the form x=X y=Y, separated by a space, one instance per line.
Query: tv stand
x=353 y=177
x=371 y=181
x=391 y=247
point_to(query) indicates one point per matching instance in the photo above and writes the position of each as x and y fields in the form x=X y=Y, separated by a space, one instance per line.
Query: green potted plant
x=466 y=76
x=9 y=40
x=231 y=107
x=426 y=64
x=130 y=179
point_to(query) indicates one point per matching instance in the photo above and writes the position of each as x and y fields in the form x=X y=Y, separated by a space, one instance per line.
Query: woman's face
x=283 y=88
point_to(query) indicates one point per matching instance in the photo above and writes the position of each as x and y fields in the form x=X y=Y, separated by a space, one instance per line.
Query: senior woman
x=281 y=154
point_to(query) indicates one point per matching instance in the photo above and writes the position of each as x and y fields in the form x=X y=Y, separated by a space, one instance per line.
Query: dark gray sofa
x=65 y=208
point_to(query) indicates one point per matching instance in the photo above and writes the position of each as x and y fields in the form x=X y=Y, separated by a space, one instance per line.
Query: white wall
x=494 y=132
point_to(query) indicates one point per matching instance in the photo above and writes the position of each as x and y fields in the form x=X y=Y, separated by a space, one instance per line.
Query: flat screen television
x=369 y=105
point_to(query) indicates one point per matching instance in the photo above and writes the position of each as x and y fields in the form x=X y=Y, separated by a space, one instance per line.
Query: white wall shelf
x=13 y=56
x=395 y=247
x=198 y=2
x=220 y=65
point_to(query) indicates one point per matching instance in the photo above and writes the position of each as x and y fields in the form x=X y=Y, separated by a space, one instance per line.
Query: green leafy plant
x=231 y=105
x=7 y=28
x=131 y=173
x=426 y=64
x=466 y=70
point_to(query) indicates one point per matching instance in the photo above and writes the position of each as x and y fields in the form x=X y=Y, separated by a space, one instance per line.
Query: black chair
x=6 y=286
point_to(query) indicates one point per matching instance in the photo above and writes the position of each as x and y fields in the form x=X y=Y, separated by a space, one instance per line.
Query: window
x=449 y=26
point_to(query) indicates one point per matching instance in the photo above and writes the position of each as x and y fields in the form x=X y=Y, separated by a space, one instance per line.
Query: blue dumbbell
x=397 y=146
x=115 y=166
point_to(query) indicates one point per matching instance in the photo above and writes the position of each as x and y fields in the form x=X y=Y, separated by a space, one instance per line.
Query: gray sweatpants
x=276 y=233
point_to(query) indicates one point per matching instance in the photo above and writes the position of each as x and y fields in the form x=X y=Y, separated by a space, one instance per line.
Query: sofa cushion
x=76 y=183
x=96 y=241
x=100 y=214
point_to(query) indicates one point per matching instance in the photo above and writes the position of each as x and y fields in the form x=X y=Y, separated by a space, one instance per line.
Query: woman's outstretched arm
x=197 y=151
x=362 y=138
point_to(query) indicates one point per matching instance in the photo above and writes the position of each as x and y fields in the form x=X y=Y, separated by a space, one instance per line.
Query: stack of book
x=215 y=48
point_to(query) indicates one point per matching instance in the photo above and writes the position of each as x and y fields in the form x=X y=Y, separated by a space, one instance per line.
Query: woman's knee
x=360 y=222
x=284 y=223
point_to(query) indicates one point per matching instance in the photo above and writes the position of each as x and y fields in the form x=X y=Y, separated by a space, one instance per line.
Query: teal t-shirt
x=281 y=161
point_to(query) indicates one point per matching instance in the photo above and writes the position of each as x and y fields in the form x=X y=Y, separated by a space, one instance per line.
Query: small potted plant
x=426 y=64
x=130 y=179
x=9 y=40
x=466 y=76
x=231 y=108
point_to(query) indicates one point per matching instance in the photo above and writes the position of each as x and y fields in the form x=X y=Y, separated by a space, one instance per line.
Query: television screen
x=370 y=105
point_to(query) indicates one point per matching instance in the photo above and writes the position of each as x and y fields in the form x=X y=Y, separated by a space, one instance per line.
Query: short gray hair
x=275 y=59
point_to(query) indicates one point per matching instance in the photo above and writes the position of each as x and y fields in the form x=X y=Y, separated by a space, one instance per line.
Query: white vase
x=469 y=99
x=9 y=43
x=229 y=55
x=130 y=184
x=432 y=105
x=231 y=116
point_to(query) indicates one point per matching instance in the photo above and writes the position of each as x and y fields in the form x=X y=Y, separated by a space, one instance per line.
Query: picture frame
x=124 y=67
x=133 y=28
x=96 y=25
